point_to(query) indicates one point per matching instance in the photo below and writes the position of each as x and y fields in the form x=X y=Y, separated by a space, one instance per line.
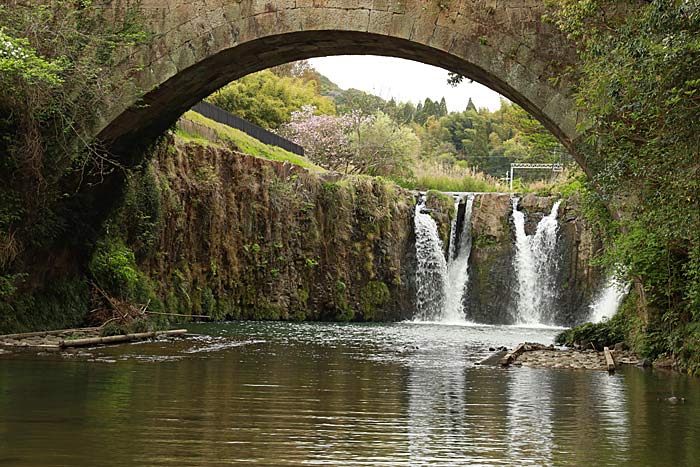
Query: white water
x=458 y=266
x=442 y=283
x=608 y=301
x=535 y=266
x=431 y=268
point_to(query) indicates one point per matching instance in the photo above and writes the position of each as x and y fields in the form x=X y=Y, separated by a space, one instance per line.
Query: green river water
x=280 y=394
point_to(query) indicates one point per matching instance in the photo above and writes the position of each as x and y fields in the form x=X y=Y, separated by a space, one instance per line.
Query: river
x=282 y=394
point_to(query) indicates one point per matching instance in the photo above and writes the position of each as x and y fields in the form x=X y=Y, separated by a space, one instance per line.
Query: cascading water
x=458 y=265
x=442 y=283
x=608 y=301
x=536 y=267
x=432 y=267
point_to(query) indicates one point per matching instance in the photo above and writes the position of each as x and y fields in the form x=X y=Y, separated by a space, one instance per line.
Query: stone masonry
x=200 y=45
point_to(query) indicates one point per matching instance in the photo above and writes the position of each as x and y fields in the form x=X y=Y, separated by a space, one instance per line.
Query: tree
x=639 y=84
x=323 y=137
x=353 y=142
x=383 y=147
x=359 y=101
x=268 y=100
x=470 y=105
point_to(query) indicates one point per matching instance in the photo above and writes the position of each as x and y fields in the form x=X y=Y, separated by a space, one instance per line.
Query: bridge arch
x=201 y=45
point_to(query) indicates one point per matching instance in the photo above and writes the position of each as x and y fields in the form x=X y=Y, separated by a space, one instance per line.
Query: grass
x=231 y=137
x=435 y=176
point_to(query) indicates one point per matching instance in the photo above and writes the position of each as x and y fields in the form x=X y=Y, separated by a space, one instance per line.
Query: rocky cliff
x=245 y=238
x=492 y=291
x=490 y=294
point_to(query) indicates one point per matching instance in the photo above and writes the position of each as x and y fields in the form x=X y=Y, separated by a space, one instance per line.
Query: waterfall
x=535 y=266
x=458 y=265
x=442 y=283
x=609 y=299
x=432 y=267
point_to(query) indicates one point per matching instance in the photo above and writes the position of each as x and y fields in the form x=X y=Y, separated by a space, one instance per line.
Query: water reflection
x=331 y=395
x=612 y=407
x=436 y=404
x=529 y=419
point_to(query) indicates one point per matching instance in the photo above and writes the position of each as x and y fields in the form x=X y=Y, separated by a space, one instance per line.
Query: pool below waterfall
x=282 y=394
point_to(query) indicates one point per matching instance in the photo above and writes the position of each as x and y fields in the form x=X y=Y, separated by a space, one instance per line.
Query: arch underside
x=140 y=124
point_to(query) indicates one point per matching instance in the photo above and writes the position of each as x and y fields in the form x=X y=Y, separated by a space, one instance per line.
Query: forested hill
x=478 y=139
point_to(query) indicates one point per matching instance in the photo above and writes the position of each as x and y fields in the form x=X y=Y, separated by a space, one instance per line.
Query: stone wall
x=200 y=45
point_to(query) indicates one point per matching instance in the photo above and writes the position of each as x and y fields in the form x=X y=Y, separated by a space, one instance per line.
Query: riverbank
x=540 y=356
x=68 y=338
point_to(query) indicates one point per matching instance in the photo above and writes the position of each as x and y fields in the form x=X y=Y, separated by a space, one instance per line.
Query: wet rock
x=644 y=363
x=490 y=296
x=620 y=347
x=666 y=363
x=535 y=208
x=540 y=356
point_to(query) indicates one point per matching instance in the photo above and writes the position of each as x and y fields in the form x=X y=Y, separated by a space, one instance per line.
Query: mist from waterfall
x=535 y=265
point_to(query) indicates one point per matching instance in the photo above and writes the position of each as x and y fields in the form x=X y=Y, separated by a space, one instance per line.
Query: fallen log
x=609 y=360
x=118 y=338
x=493 y=360
x=24 y=345
x=512 y=355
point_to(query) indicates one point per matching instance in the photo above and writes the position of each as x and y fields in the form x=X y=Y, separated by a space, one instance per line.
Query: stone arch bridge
x=200 y=45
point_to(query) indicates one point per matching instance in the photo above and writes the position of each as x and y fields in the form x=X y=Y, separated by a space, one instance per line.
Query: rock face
x=442 y=211
x=492 y=292
x=578 y=281
x=245 y=238
x=535 y=207
x=490 y=295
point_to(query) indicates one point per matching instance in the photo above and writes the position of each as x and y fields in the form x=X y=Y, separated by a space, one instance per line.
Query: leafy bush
x=604 y=334
x=113 y=267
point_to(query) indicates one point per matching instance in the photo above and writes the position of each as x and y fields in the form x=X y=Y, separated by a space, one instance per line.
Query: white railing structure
x=523 y=165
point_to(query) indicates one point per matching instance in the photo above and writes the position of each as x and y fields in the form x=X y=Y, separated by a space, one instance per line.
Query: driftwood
x=609 y=360
x=512 y=355
x=493 y=360
x=119 y=338
x=25 y=345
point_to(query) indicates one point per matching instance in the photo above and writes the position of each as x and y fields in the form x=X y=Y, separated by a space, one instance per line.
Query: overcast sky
x=403 y=80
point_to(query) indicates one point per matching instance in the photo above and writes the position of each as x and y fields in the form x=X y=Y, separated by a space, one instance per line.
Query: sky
x=404 y=80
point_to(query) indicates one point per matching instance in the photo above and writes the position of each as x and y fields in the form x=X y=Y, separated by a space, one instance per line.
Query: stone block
x=380 y=22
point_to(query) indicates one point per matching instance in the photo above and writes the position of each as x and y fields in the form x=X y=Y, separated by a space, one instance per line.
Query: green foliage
x=55 y=74
x=373 y=296
x=59 y=305
x=639 y=85
x=140 y=212
x=18 y=60
x=604 y=334
x=489 y=140
x=268 y=100
x=442 y=182
x=238 y=141
x=113 y=268
x=384 y=148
